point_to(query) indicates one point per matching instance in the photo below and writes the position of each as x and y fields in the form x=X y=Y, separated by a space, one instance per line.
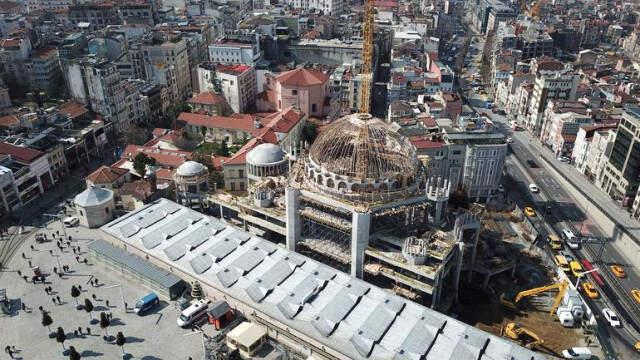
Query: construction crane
x=526 y=337
x=513 y=303
x=367 y=56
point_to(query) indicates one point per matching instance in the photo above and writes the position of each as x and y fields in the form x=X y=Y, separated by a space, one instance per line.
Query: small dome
x=93 y=196
x=265 y=154
x=190 y=168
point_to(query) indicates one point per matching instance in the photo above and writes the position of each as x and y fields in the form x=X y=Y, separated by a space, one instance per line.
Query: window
x=240 y=173
x=106 y=210
x=294 y=92
x=313 y=108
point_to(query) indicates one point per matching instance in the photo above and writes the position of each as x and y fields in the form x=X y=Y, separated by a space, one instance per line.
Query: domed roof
x=190 y=168
x=362 y=147
x=93 y=196
x=265 y=154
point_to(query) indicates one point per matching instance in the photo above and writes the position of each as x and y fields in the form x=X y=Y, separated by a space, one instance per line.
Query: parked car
x=577 y=353
x=590 y=290
x=71 y=221
x=636 y=295
x=554 y=242
x=611 y=317
x=534 y=188
x=618 y=271
x=564 y=159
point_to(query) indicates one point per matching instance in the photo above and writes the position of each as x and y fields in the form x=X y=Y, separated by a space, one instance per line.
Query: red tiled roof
x=284 y=120
x=221 y=122
x=139 y=189
x=164 y=157
x=302 y=77
x=19 y=153
x=9 y=121
x=427 y=144
x=73 y=109
x=207 y=98
x=164 y=174
x=10 y=43
x=157 y=132
x=106 y=175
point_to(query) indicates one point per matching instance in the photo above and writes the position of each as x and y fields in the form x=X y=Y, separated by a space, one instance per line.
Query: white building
x=329 y=7
x=8 y=192
x=548 y=86
x=237 y=83
x=234 y=52
x=47 y=5
x=94 y=206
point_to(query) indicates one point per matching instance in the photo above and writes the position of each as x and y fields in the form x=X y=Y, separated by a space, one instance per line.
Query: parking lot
x=153 y=336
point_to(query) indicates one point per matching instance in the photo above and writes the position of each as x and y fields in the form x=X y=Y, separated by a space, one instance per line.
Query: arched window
x=330 y=183
x=355 y=187
x=319 y=179
x=342 y=185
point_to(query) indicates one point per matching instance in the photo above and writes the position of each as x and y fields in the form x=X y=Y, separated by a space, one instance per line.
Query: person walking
x=80 y=330
x=106 y=302
x=58 y=298
x=10 y=352
x=88 y=330
x=29 y=262
x=80 y=288
x=24 y=307
x=19 y=273
x=93 y=296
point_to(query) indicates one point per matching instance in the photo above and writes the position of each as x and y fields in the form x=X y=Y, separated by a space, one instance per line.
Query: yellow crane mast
x=367 y=56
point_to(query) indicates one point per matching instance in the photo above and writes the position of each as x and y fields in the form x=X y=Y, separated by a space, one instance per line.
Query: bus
x=597 y=278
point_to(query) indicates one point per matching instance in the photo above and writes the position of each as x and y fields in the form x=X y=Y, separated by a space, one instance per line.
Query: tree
x=88 y=307
x=104 y=323
x=121 y=340
x=61 y=337
x=222 y=149
x=140 y=162
x=309 y=132
x=47 y=320
x=203 y=131
x=73 y=353
x=74 y=294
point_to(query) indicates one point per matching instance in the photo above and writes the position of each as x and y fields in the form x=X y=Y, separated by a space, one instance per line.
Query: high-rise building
x=548 y=86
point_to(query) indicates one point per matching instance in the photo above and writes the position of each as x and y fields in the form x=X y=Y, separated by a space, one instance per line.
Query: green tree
x=47 y=320
x=121 y=340
x=203 y=131
x=73 y=353
x=104 y=323
x=309 y=132
x=75 y=293
x=222 y=149
x=88 y=307
x=61 y=337
x=140 y=162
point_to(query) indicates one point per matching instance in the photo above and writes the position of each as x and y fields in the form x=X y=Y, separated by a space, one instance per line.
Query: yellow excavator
x=512 y=301
x=526 y=337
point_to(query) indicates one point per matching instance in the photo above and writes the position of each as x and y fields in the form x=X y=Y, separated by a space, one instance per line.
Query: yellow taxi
x=637 y=346
x=576 y=268
x=554 y=242
x=636 y=295
x=528 y=211
x=590 y=290
x=618 y=271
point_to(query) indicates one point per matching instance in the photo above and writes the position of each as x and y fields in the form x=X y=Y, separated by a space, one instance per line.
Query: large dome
x=190 y=168
x=361 y=154
x=265 y=154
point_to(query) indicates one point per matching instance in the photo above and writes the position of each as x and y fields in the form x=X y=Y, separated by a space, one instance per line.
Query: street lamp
x=583 y=274
x=124 y=306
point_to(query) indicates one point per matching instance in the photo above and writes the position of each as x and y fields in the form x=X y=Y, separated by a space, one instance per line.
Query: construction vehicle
x=526 y=337
x=512 y=302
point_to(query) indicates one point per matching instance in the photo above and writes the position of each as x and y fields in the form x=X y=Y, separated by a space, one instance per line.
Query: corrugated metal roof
x=331 y=308
x=135 y=263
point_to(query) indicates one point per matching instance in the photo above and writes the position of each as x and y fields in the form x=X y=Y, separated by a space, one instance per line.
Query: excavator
x=512 y=301
x=526 y=337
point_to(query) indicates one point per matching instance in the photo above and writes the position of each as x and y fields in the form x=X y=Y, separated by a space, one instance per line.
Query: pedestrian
x=58 y=298
x=29 y=262
x=75 y=333
x=46 y=291
x=32 y=248
x=55 y=269
x=96 y=281
x=51 y=252
x=57 y=232
x=93 y=296
x=10 y=353
x=125 y=307
x=24 y=307
x=80 y=330
x=88 y=330
x=77 y=257
x=54 y=301
x=74 y=251
x=23 y=256
x=70 y=237
x=25 y=277
x=41 y=308
x=69 y=243
x=85 y=261
x=58 y=243
x=19 y=273
x=80 y=288
x=7 y=348
x=106 y=303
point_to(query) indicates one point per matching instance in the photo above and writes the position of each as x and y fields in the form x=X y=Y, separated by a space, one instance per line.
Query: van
x=554 y=242
x=193 y=313
x=562 y=263
x=576 y=268
x=577 y=353
x=146 y=303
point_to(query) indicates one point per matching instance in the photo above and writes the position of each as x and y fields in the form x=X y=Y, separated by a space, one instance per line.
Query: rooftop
x=302 y=77
x=315 y=302
x=106 y=175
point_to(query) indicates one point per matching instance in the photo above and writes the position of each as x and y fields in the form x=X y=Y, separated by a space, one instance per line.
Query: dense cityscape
x=335 y=179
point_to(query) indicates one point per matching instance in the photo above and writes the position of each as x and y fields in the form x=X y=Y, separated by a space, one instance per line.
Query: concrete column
x=51 y=177
x=458 y=271
x=294 y=221
x=437 y=290
x=360 y=225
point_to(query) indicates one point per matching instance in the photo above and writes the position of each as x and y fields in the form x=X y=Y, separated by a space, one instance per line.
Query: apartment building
x=228 y=51
x=591 y=144
x=30 y=169
x=549 y=86
x=236 y=83
x=621 y=173
x=328 y=7
x=45 y=69
x=97 y=15
x=167 y=63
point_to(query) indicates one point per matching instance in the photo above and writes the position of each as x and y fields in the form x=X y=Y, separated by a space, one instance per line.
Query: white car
x=577 y=353
x=611 y=317
x=71 y=221
x=534 y=188
x=509 y=140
